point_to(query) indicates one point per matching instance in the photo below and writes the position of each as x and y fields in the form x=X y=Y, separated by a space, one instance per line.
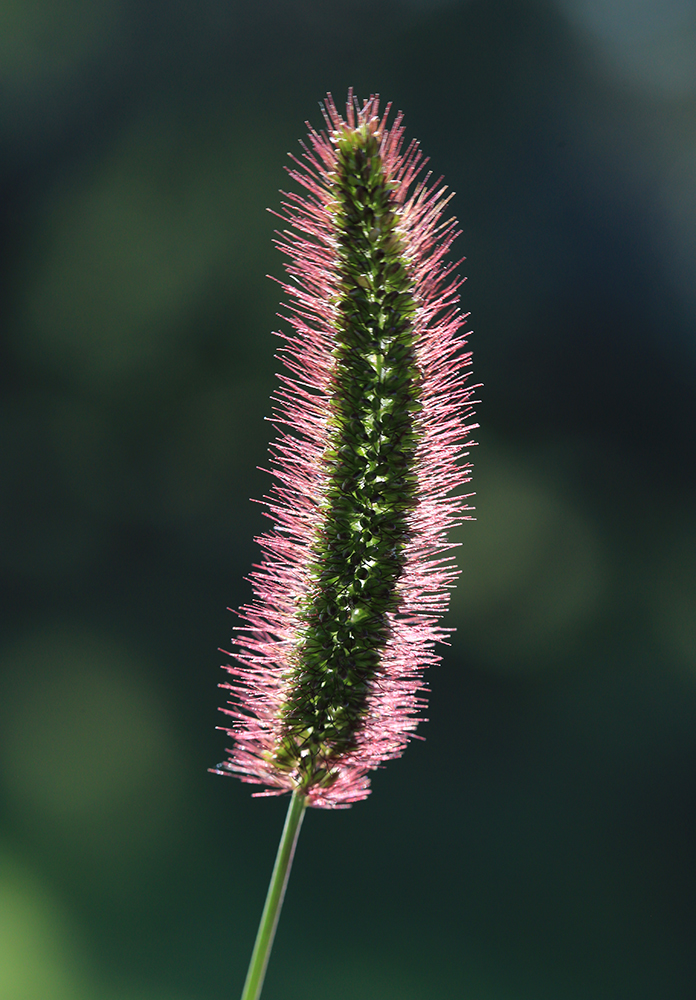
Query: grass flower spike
x=372 y=417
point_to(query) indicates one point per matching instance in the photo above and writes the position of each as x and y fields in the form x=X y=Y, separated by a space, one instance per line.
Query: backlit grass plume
x=371 y=416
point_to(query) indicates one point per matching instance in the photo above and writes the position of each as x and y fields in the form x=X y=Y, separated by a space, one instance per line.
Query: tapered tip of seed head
x=361 y=132
x=364 y=121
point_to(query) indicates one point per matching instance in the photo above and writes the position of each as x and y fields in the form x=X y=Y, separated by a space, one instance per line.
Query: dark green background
x=540 y=845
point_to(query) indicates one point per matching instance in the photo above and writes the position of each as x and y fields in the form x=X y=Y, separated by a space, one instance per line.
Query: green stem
x=274 y=899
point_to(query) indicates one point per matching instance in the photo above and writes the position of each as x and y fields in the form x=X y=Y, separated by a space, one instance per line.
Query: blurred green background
x=540 y=845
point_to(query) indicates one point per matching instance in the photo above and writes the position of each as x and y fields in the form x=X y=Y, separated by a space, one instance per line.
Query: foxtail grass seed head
x=372 y=415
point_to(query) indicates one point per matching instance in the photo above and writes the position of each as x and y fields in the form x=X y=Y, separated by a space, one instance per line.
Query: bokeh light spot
x=649 y=43
x=86 y=749
x=532 y=568
x=121 y=261
x=38 y=954
x=45 y=39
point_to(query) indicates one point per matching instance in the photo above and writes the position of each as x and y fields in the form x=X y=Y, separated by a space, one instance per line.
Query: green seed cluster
x=359 y=552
